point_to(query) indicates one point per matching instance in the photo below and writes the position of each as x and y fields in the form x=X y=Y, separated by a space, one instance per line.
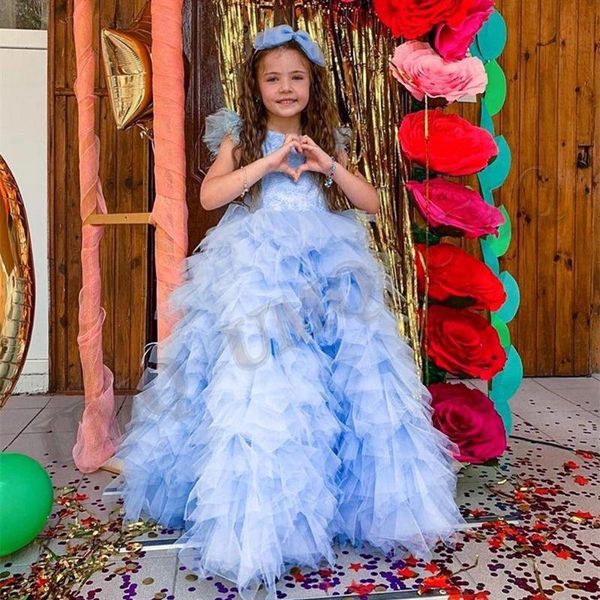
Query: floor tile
x=548 y=413
x=58 y=419
x=15 y=420
x=6 y=439
x=145 y=579
x=45 y=447
x=27 y=401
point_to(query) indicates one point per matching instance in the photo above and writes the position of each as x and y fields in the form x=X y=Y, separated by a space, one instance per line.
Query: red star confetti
x=405 y=573
x=355 y=567
x=435 y=582
x=296 y=573
x=432 y=567
x=411 y=561
x=581 y=480
x=579 y=516
x=361 y=589
x=563 y=553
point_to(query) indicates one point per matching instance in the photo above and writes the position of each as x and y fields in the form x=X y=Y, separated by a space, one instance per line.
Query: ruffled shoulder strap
x=218 y=124
x=343 y=138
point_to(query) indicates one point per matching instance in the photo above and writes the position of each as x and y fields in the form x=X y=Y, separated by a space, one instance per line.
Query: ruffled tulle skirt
x=286 y=414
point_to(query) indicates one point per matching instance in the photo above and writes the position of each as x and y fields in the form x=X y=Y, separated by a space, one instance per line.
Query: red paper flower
x=452 y=41
x=455 y=146
x=454 y=273
x=414 y=18
x=468 y=417
x=459 y=210
x=463 y=343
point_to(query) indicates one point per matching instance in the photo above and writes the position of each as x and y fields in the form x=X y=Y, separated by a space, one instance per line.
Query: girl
x=286 y=414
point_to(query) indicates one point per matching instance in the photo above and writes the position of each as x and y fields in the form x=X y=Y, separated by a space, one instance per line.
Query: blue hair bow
x=276 y=36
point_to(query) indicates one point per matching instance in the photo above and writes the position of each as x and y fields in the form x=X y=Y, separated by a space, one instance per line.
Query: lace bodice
x=279 y=191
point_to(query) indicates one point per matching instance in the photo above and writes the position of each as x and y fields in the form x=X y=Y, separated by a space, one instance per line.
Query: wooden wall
x=124 y=176
x=552 y=61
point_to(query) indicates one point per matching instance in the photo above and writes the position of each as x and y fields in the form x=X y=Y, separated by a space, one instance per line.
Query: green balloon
x=26 y=498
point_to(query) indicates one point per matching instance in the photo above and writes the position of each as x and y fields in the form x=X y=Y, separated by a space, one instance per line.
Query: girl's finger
x=289 y=171
x=296 y=145
x=302 y=168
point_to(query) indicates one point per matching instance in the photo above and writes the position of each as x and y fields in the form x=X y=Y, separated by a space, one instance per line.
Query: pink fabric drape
x=170 y=209
x=97 y=434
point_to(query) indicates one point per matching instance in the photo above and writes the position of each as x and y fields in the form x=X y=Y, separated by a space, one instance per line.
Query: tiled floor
x=553 y=418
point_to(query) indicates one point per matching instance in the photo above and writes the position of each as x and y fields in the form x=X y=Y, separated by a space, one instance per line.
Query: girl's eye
x=271 y=79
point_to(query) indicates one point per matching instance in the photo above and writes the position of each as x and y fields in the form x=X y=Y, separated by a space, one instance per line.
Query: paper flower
x=423 y=72
x=455 y=146
x=413 y=18
x=463 y=343
x=468 y=417
x=451 y=205
x=452 y=41
x=454 y=273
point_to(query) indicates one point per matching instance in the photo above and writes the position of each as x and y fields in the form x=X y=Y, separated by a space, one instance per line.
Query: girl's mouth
x=285 y=101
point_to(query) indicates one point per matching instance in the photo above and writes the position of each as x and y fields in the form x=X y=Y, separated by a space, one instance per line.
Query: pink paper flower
x=452 y=40
x=423 y=72
x=468 y=417
x=454 y=206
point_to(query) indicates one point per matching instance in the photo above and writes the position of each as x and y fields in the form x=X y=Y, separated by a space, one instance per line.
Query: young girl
x=286 y=414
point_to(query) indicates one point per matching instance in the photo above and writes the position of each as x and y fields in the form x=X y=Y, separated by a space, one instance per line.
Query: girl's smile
x=284 y=85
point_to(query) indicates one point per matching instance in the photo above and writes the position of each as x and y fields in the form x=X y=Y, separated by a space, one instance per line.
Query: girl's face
x=284 y=82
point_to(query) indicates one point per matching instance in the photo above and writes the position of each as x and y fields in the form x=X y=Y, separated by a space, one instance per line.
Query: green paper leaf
x=491 y=39
x=432 y=373
x=505 y=385
x=493 y=462
x=495 y=174
x=495 y=92
x=502 y=328
x=418 y=173
x=489 y=256
x=499 y=245
x=487 y=195
x=509 y=309
x=474 y=50
x=424 y=236
x=485 y=120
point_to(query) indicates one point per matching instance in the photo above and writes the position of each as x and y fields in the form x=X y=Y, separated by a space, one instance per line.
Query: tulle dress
x=286 y=414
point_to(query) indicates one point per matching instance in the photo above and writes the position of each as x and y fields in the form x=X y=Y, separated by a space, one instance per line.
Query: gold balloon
x=127 y=62
x=17 y=290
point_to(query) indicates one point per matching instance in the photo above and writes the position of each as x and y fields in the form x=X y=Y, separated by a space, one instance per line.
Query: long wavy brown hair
x=318 y=120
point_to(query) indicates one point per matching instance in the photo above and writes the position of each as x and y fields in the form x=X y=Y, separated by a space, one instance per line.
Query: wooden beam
x=119 y=219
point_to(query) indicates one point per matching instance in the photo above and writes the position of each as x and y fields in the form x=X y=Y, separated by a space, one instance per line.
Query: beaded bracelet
x=246 y=190
x=329 y=180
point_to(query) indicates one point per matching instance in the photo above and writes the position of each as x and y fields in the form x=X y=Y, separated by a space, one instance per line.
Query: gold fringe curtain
x=357 y=48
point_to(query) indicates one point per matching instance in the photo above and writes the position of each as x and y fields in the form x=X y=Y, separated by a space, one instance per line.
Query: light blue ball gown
x=286 y=414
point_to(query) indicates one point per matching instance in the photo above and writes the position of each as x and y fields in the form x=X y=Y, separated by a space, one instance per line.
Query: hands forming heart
x=317 y=159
